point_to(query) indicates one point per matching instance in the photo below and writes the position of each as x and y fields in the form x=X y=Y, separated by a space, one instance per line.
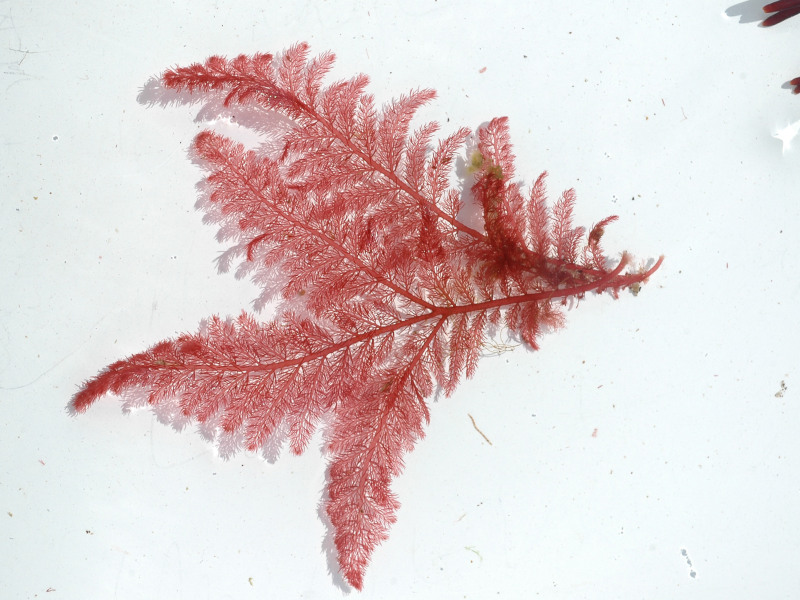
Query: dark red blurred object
x=783 y=9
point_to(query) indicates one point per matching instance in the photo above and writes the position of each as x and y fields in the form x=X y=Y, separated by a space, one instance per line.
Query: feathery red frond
x=782 y=10
x=354 y=221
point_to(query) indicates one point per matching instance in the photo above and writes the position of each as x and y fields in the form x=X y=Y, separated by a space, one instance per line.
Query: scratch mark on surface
x=483 y=435
x=57 y=363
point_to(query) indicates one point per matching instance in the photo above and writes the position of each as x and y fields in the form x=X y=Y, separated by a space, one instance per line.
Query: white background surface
x=663 y=113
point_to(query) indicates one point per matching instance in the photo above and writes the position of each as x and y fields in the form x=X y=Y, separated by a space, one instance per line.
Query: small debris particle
x=475 y=552
x=483 y=435
x=692 y=572
x=594 y=433
x=250 y=581
x=782 y=391
x=482 y=70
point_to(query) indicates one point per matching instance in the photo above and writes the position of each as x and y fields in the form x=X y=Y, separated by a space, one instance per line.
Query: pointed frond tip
x=355 y=223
